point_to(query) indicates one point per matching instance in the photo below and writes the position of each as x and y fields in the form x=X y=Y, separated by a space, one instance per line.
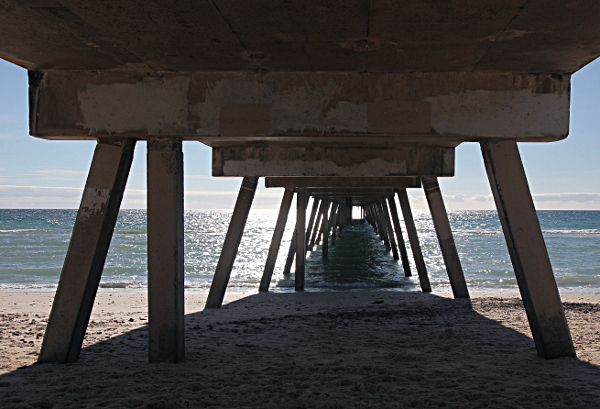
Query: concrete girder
x=347 y=108
x=346 y=162
x=312 y=182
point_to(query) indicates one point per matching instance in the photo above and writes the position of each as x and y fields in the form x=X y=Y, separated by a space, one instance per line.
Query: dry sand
x=363 y=349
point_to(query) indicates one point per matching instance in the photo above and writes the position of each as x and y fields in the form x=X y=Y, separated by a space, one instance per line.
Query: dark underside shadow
x=326 y=350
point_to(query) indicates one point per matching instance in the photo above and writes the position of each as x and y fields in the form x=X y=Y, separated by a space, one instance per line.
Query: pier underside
x=341 y=103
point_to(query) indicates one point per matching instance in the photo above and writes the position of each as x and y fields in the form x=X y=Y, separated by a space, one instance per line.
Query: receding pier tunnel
x=353 y=90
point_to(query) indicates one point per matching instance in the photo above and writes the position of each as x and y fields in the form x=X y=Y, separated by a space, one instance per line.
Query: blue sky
x=36 y=173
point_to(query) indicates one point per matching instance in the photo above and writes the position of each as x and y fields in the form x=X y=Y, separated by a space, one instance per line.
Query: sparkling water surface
x=34 y=243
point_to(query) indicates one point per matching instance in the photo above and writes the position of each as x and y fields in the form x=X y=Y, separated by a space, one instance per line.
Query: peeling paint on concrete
x=92 y=203
x=234 y=90
x=306 y=108
x=371 y=167
x=201 y=106
x=494 y=113
x=310 y=109
x=156 y=105
x=349 y=162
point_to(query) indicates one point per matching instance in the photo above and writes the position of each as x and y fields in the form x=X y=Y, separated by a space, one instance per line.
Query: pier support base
x=87 y=251
x=232 y=242
x=444 y=233
x=527 y=249
x=165 y=251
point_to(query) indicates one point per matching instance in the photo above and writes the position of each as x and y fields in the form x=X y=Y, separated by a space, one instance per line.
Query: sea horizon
x=34 y=243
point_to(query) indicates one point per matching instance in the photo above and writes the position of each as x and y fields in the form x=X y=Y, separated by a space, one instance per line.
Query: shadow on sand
x=353 y=349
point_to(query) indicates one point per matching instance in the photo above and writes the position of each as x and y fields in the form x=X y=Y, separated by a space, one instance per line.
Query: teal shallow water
x=33 y=244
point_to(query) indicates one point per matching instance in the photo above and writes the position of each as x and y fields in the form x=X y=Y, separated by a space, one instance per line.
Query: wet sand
x=353 y=349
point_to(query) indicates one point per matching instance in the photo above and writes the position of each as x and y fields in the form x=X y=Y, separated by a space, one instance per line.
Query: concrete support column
x=383 y=232
x=371 y=217
x=287 y=270
x=527 y=249
x=165 y=250
x=348 y=209
x=325 y=230
x=390 y=230
x=444 y=233
x=311 y=220
x=316 y=229
x=332 y=213
x=87 y=251
x=341 y=214
x=334 y=223
x=413 y=238
x=232 y=242
x=276 y=240
x=300 y=239
x=398 y=230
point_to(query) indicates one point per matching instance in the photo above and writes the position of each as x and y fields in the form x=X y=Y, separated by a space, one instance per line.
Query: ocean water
x=33 y=244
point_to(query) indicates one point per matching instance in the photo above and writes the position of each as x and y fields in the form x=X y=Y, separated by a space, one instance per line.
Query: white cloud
x=567 y=201
x=59 y=174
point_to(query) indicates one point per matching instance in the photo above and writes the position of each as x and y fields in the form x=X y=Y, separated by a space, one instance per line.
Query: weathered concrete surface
x=400 y=238
x=165 y=251
x=349 y=191
x=352 y=108
x=464 y=35
x=396 y=182
x=232 y=242
x=413 y=237
x=527 y=249
x=284 y=210
x=365 y=162
x=92 y=233
x=439 y=215
x=300 y=234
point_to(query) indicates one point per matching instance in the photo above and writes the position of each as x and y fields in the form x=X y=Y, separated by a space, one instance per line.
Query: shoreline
x=114 y=300
x=307 y=350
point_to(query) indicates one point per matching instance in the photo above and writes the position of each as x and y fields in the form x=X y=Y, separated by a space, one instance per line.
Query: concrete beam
x=413 y=237
x=393 y=182
x=315 y=231
x=82 y=269
x=232 y=242
x=527 y=249
x=390 y=229
x=284 y=209
x=400 y=238
x=225 y=107
x=445 y=237
x=300 y=239
x=311 y=220
x=342 y=192
x=346 y=162
x=165 y=251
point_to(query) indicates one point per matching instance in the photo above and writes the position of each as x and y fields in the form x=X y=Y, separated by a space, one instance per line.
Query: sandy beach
x=353 y=349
